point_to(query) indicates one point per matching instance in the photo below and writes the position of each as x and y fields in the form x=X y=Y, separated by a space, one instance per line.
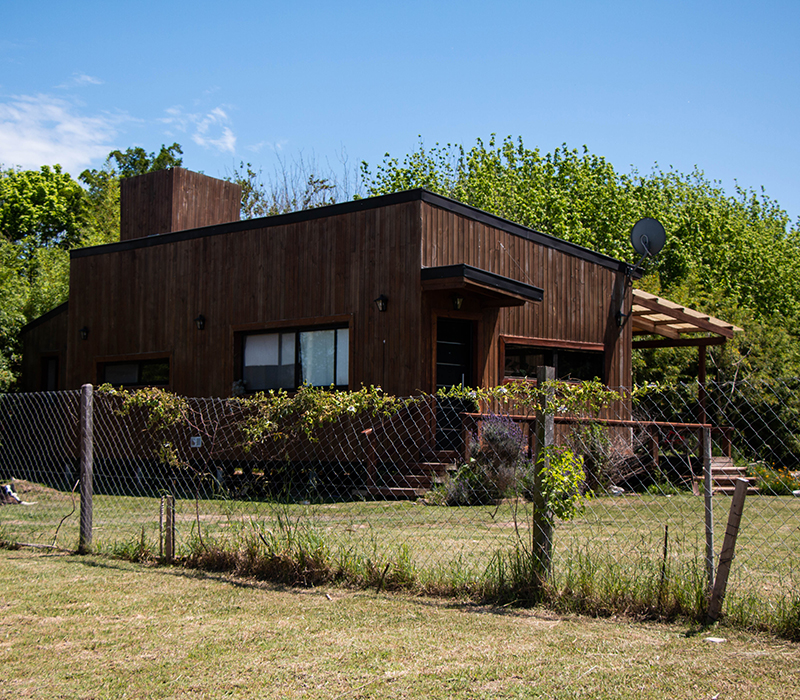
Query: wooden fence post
x=728 y=547
x=85 y=459
x=542 y=525
x=708 y=489
x=169 y=528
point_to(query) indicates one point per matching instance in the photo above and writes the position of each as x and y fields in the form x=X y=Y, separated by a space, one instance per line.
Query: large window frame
x=567 y=357
x=135 y=371
x=314 y=354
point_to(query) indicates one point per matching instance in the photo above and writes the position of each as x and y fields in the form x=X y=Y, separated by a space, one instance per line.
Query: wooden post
x=85 y=459
x=728 y=547
x=371 y=458
x=542 y=534
x=169 y=534
x=708 y=488
x=161 y=530
x=701 y=379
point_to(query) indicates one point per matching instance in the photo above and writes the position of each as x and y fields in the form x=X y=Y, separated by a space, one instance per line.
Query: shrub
x=775 y=481
x=494 y=467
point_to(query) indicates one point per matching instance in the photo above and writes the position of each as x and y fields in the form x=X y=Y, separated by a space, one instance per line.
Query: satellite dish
x=648 y=237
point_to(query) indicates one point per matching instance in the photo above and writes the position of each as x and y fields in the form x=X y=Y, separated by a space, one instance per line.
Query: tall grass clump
x=137 y=549
x=600 y=584
x=778 y=616
x=294 y=552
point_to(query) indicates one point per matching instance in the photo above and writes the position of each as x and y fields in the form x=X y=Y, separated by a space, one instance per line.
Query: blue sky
x=683 y=84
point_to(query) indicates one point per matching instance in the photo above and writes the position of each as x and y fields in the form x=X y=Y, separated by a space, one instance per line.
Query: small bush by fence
x=369 y=490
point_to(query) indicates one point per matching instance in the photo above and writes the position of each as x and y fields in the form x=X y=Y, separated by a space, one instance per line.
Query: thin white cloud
x=275 y=146
x=211 y=130
x=79 y=80
x=41 y=129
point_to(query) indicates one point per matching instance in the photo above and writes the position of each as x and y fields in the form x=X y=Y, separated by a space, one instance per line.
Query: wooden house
x=409 y=291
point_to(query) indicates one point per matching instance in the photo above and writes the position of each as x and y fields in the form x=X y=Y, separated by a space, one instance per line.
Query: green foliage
x=555 y=397
x=136 y=161
x=42 y=215
x=162 y=409
x=39 y=208
x=278 y=415
x=102 y=195
x=776 y=481
x=562 y=480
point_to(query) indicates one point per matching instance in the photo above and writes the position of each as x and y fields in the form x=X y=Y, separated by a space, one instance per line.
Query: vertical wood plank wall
x=45 y=337
x=580 y=297
x=175 y=200
x=140 y=298
x=143 y=300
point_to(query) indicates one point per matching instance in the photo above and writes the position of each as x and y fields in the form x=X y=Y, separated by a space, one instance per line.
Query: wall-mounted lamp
x=84 y=333
x=457 y=301
x=381 y=302
x=200 y=322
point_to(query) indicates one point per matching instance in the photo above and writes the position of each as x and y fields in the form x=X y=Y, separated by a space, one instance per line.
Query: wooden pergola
x=678 y=326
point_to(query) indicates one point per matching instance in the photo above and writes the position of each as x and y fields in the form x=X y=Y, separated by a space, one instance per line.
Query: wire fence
x=435 y=483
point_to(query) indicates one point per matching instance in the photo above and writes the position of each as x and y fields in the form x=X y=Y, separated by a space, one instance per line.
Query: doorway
x=454 y=363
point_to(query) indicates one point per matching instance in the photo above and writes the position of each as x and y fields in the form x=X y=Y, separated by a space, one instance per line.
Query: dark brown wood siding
x=142 y=300
x=175 y=200
x=44 y=338
x=580 y=297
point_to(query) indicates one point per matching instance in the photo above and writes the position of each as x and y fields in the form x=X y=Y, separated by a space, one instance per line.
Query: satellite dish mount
x=648 y=238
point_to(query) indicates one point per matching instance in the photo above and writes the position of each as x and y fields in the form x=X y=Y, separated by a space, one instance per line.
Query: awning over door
x=491 y=288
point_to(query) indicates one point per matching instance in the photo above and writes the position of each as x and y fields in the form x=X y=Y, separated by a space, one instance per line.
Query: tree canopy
x=43 y=215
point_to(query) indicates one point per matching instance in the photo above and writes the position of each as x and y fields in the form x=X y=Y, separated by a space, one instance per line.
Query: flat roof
x=366 y=204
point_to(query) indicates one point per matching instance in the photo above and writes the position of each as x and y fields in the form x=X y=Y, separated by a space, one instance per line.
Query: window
x=288 y=359
x=153 y=372
x=522 y=361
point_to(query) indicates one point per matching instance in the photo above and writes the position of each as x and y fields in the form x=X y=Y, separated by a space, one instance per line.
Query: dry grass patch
x=97 y=628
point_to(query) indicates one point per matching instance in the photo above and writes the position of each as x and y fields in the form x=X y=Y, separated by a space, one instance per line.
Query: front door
x=453 y=368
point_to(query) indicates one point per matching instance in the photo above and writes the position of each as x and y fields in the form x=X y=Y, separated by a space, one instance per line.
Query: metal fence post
x=542 y=535
x=86 y=457
x=708 y=489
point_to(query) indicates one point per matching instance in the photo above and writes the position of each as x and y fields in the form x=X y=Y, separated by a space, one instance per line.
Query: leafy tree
x=41 y=208
x=136 y=161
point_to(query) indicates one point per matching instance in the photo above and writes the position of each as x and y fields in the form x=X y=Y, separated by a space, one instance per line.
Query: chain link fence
x=435 y=484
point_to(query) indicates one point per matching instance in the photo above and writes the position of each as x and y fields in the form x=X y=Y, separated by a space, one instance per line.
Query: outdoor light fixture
x=200 y=322
x=457 y=301
x=84 y=333
x=381 y=302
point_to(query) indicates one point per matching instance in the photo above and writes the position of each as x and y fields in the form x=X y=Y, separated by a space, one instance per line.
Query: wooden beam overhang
x=491 y=288
x=655 y=315
x=681 y=342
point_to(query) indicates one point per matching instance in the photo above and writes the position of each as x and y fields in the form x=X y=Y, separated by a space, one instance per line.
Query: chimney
x=175 y=200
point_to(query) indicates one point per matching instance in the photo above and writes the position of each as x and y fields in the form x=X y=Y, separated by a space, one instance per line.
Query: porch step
x=438 y=472
x=398 y=493
x=414 y=483
x=724 y=475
